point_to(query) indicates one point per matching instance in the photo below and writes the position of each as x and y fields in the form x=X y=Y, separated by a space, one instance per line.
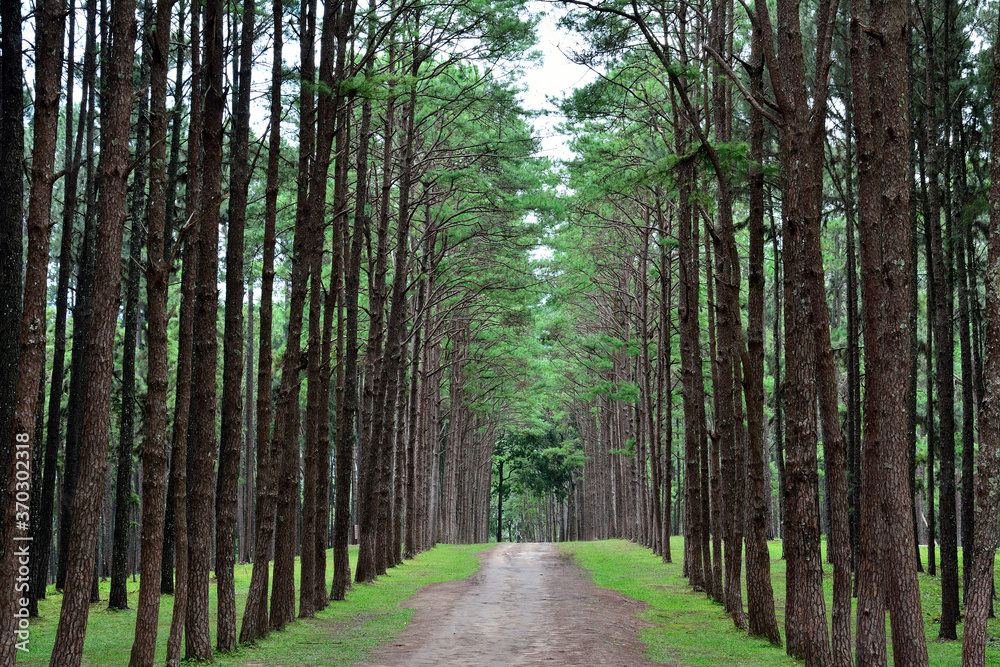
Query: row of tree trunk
x=869 y=480
x=410 y=460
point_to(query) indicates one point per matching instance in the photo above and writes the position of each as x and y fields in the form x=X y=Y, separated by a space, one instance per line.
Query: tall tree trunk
x=929 y=485
x=692 y=380
x=310 y=481
x=713 y=525
x=82 y=309
x=968 y=382
x=331 y=304
x=12 y=220
x=118 y=596
x=839 y=539
x=255 y=619
x=346 y=419
x=779 y=422
x=249 y=438
x=16 y=451
x=730 y=345
x=198 y=641
x=887 y=576
x=71 y=631
x=801 y=140
x=330 y=101
x=383 y=378
x=665 y=372
x=185 y=355
x=157 y=274
x=413 y=446
x=945 y=362
x=232 y=364
x=980 y=579
x=167 y=562
x=286 y=438
x=760 y=595
x=42 y=538
x=655 y=510
x=853 y=353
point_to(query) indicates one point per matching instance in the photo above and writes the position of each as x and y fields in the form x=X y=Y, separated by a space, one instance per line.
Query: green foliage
x=538 y=464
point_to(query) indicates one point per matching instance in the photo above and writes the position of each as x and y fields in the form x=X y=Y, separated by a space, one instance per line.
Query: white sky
x=547 y=82
x=554 y=78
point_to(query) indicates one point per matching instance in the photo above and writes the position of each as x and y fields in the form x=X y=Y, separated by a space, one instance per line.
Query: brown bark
x=655 y=510
x=887 y=576
x=167 y=561
x=157 y=273
x=246 y=528
x=42 y=537
x=945 y=362
x=307 y=570
x=255 y=619
x=838 y=544
x=853 y=354
x=665 y=378
x=368 y=451
x=329 y=110
x=712 y=503
x=912 y=416
x=198 y=642
x=82 y=310
x=286 y=431
x=388 y=377
x=118 y=595
x=413 y=446
x=185 y=357
x=730 y=343
x=395 y=544
x=332 y=304
x=687 y=316
x=965 y=357
x=232 y=364
x=310 y=480
x=762 y=621
x=980 y=580
x=11 y=219
x=347 y=418
x=71 y=631
x=929 y=486
x=779 y=423
x=18 y=449
x=801 y=139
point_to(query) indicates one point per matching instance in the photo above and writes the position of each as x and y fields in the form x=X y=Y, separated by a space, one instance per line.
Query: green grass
x=690 y=629
x=344 y=633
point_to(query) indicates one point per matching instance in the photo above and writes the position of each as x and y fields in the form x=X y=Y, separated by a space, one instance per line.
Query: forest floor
x=342 y=634
x=514 y=604
x=526 y=605
x=684 y=626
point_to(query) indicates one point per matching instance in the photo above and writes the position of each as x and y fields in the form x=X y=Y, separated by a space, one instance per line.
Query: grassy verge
x=344 y=633
x=689 y=629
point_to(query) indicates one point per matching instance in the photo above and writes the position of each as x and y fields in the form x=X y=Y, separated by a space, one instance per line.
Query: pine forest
x=463 y=332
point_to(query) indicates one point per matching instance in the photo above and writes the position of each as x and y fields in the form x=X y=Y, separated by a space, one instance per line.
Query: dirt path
x=525 y=606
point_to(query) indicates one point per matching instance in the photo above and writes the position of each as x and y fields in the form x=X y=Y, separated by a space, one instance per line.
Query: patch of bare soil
x=525 y=606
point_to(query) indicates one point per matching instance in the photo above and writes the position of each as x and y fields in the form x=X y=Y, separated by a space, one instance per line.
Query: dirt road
x=525 y=606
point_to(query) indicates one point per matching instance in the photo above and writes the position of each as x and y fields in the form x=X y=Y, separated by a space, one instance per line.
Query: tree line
x=371 y=233
x=780 y=220
x=777 y=221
